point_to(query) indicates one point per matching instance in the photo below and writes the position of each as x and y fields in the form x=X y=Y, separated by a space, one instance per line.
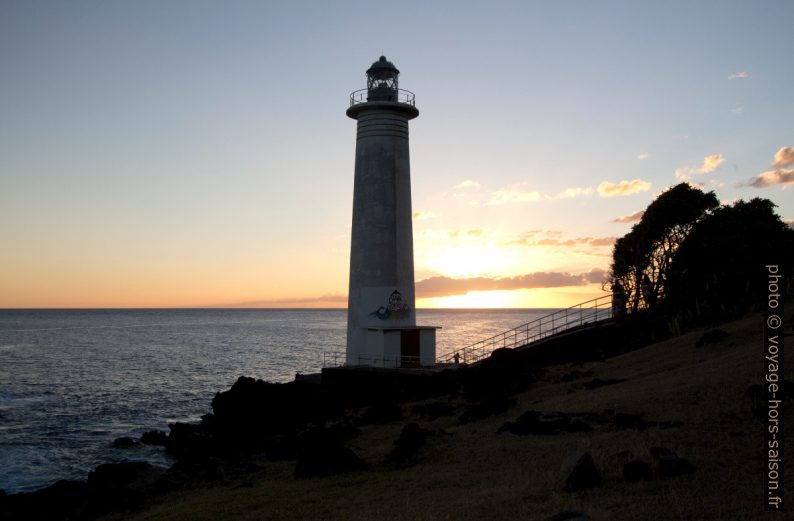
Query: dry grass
x=474 y=473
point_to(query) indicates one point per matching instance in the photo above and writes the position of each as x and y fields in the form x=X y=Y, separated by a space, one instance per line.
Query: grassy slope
x=473 y=473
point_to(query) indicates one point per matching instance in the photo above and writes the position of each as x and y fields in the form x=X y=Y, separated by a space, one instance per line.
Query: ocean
x=72 y=381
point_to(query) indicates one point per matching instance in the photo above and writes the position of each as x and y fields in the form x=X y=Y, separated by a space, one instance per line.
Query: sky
x=189 y=153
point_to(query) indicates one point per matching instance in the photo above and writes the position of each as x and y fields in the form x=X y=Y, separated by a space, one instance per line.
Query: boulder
x=198 y=468
x=669 y=464
x=125 y=442
x=159 y=438
x=189 y=440
x=119 y=486
x=63 y=499
x=411 y=438
x=579 y=472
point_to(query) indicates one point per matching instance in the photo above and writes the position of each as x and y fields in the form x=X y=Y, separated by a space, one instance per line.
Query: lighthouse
x=381 y=314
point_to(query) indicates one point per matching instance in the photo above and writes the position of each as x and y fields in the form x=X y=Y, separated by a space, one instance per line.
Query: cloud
x=422 y=216
x=607 y=189
x=467 y=184
x=781 y=176
x=444 y=286
x=743 y=75
x=530 y=240
x=644 y=155
x=710 y=164
x=737 y=110
x=568 y=193
x=630 y=218
x=784 y=157
x=332 y=300
x=512 y=195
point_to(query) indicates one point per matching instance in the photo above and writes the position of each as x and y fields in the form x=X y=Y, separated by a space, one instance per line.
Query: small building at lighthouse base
x=403 y=347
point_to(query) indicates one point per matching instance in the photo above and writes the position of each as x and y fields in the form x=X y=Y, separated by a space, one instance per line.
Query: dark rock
x=669 y=464
x=411 y=438
x=252 y=410
x=637 y=470
x=199 y=468
x=125 y=443
x=63 y=499
x=570 y=515
x=159 y=438
x=712 y=337
x=186 y=440
x=595 y=383
x=535 y=422
x=119 y=486
x=325 y=455
x=580 y=472
x=490 y=406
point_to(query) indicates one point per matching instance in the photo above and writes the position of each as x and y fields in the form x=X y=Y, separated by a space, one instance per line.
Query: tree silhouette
x=720 y=269
x=642 y=259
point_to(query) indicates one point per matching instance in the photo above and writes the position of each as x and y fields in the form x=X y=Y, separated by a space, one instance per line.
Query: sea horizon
x=116 y=372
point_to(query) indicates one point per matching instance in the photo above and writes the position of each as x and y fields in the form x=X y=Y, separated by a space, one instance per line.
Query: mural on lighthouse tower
x=381 y=314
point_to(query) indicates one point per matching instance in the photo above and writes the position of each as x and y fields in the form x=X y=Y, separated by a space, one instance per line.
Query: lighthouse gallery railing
x=403 y=96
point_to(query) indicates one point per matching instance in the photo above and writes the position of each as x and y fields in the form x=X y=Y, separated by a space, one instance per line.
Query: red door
x=409 y=348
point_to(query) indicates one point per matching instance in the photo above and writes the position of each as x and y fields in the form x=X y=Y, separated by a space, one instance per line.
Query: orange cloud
x=710 y=164
x=527 y=240
x=607 y=189
x=630 y=218
x=332 y=301
x=781 y=176
x=784 y=157
x=445 y=286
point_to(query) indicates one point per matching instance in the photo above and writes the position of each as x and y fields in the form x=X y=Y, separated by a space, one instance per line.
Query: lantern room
x=382 y=82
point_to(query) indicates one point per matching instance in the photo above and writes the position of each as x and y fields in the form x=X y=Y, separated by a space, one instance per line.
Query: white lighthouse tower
x=381 y=314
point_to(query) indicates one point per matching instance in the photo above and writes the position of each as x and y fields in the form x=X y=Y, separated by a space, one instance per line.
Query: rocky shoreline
x=311 y=420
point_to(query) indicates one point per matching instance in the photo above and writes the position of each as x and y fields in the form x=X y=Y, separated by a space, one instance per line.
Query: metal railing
x=403 y=96
x=579 y=315
x=339 y=358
